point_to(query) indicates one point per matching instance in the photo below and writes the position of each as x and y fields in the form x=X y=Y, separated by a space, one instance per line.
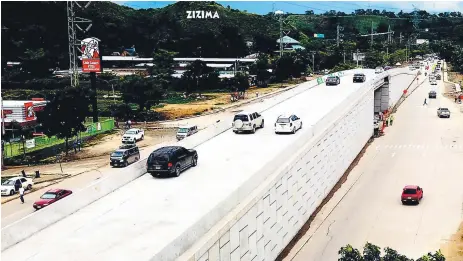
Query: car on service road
x=171 y=160
x=359 y=77
x=11 y=186
x=288 y=124
x=247 y=121
x=432 y=95
x=50 y=197
x=332 y=80
x=125 y=155
x=186 y=131
x=443 y=113
x=133 y=135
x=411 y=194
x=379 y=70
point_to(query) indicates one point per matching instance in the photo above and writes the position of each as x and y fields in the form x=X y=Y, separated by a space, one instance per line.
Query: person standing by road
x=425 y=103
x=391 y=119
x=21 y=194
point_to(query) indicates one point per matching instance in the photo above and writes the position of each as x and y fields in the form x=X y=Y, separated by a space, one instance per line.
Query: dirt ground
x=95 y=153
x=453 y=249
x=214 y=101
x=455 y=77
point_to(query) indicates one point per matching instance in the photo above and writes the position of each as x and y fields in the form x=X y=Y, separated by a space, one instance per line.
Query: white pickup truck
x=133 y=135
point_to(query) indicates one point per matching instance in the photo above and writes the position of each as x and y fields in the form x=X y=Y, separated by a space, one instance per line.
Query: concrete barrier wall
x=271 y=215
x=35 y=222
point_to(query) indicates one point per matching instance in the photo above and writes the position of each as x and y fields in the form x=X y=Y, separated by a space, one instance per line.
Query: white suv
x=288 y=124
x=247 y=121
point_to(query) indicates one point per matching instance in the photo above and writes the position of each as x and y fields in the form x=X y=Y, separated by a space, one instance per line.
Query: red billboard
x=91 y=65
x=29 y=111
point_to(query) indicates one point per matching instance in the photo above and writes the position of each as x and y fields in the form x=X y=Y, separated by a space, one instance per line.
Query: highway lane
x=418 y=149
x=141 y=218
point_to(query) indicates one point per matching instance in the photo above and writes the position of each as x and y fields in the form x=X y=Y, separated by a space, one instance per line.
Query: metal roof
x=288 y=40
x=141 y=59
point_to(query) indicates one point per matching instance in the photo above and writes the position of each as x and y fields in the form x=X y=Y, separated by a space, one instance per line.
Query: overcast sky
x=264 y=7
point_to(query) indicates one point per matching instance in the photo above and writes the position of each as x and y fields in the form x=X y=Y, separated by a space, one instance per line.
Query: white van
x=186 y=131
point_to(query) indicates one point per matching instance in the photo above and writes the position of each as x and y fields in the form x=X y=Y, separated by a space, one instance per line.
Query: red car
x=51 y=197
x=412 y=193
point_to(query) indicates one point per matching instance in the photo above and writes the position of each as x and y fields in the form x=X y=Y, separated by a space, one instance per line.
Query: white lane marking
x=393 y=154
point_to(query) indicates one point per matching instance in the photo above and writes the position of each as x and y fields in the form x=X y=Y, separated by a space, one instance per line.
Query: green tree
x=349 y=253
x=195 y=76
x=65 y=114
x=143 y=91
x=163 y=67
x=240 y=82
x=260 y=69
x=371 y=252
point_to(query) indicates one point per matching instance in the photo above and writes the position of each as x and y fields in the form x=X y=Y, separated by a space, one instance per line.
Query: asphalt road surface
x=420 y=149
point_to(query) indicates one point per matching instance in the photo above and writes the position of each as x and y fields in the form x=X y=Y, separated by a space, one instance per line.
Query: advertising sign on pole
x=91 y=61
x=319 y=35
x=29 y=111
x=30 y=143
x=361 y=57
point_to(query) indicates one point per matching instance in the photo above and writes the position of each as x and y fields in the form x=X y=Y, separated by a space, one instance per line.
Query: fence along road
x=140 y=219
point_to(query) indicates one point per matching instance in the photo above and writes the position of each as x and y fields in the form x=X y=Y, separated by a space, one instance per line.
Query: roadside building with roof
x=290 y=44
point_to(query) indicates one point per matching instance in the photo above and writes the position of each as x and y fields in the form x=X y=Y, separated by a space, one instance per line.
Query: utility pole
x=338 y=35
x=371 y=44
x=357 y=58
x=400 y=38
x=73 y=43
x=280 y=13
x=313 y=62
x=344 y=54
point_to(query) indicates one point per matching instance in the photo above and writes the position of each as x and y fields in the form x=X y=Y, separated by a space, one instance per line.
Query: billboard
x=422 y=41
x=319 y=35
x=91 y=61
x=361 y=56
x=29 y=112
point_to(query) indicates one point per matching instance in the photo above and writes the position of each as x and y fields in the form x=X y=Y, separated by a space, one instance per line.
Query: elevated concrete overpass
x=248 y=196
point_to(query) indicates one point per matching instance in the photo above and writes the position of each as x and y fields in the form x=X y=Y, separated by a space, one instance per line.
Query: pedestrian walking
x=425 y=103
x=391 y=119
x=21 y=194
x=129 y=123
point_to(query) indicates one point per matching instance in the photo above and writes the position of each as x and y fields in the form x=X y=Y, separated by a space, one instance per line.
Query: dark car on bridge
x=359 y=77
x=171 y=160
x=333 y=80
x=432 y=95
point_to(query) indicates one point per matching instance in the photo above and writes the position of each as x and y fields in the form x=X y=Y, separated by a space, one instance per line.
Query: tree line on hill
x=39 y=42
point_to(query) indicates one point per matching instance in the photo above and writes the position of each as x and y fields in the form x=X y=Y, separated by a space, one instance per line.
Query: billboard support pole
x=94 y=96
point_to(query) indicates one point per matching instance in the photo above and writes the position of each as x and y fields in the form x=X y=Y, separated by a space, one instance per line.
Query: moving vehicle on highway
x=359 y=77
x=379 y=69
x=443 y=113
x=387 y=68
x=50 y=197
x=433 y=82
x=432 y=95
x=11 y=186
x=125 y=155
x=288 y=124
x=247 y=121
x=411 y=194
x=186 y=131
x=133 y=135
x=171 y=160
x=438 y=77
x=333 y=80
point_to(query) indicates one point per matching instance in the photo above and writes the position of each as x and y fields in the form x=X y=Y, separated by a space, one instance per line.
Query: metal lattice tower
x=73 y=42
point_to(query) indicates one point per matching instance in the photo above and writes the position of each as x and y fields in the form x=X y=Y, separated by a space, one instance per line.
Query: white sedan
x=288 y=124
x=11 y=186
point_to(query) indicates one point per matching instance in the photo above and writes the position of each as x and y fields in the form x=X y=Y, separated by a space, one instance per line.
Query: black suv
x=125 y=155
x=432 y=95
x=171 y=160
x=359 y=77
